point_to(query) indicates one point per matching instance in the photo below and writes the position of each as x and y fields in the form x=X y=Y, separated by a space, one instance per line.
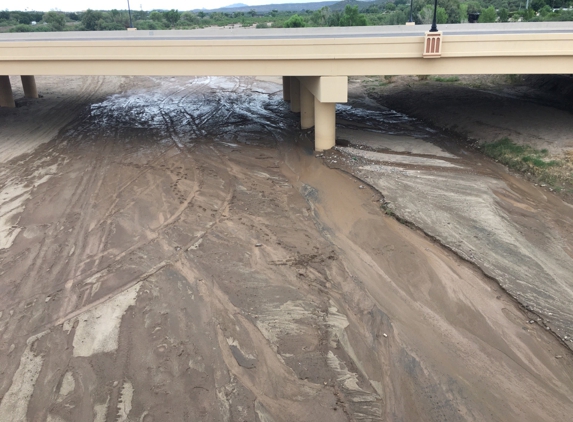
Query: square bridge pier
x=315 y=98
x=6 y=95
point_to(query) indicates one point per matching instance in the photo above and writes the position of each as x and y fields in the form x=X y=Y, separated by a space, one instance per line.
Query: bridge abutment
x=29 y=85
x=6 y=95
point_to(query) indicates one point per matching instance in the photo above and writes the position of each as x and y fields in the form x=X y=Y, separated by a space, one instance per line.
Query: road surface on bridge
x=247 y=33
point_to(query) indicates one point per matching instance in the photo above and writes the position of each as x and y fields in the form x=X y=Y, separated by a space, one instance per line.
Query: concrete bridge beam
x=294 y=95
x=29 y=85
x=328 y=89
x=6 y=96
x=306 y=108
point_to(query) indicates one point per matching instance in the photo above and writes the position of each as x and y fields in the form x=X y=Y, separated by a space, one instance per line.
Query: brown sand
x=177 y=253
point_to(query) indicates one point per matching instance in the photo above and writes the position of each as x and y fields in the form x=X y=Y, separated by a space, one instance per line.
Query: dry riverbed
x=172 y=249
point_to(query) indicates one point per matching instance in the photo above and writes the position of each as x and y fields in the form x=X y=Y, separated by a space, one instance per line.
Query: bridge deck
x=545 y=47
x=211 y=34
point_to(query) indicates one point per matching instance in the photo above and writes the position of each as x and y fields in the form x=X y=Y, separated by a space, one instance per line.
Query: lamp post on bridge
x=411 y=6
x=434 y=27
x=129 y=11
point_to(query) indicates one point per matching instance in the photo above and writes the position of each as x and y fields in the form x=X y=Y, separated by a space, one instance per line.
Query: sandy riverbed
x=178 y=252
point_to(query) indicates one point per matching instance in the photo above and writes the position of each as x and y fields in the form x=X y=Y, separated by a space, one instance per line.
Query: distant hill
x=298 y=7
x=362 y=5
x=288 y=7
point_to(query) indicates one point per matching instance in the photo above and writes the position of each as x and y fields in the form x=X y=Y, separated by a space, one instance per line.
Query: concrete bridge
x=314 y=62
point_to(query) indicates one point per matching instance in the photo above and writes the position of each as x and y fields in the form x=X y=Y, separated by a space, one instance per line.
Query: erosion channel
x=172 y=249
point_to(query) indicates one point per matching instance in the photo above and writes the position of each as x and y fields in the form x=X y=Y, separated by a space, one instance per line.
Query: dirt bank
x=516 y=232
x=177 y=252
x=530 y=111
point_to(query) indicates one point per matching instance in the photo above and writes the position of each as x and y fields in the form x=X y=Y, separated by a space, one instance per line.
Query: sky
x=78 y=5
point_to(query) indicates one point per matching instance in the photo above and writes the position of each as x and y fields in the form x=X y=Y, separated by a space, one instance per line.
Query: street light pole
x=434 y=27
x=411 y=4
x=129 y=11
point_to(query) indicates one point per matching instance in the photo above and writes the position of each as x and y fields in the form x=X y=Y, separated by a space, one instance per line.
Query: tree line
x=381 y=12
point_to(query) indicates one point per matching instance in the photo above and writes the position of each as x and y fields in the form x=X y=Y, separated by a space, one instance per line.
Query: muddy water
x=177 y=252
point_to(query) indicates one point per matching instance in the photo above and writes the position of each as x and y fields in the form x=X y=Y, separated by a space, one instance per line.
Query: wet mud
x=178 y=252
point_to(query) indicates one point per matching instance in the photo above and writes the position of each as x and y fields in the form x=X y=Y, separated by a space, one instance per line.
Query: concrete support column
x=306 y=108
x=6 y=96
x=286 y=88
x=325 y=125
x=29 y=85
x=294 y=95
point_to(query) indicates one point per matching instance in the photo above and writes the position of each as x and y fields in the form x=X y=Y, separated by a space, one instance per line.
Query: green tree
x=156 y=16
x=21 y=28
x=423 y=10
x=452 y=8
x=396 y=18
x=114 y=14
x=426 y=15
x=295 y=21
x=218 y=16
x=22 y=18
x=474 y=7
x=172 y=17
x=149 y=25
x=441 y=15
x=351 y=17
x=537 y=4
x=57 y=20
x=528 y=14
x=488 y=15
x=189 y=18
x=463 y=12
x=253 y=12
x=36 y=16
x=503 y=15
x=545 y=10
x=334 y=18
x=320 y=17
x=90 y=19
x=139 y=15
x=390 y=7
